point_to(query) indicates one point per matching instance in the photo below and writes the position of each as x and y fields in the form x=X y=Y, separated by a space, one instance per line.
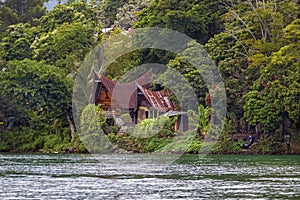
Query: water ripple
x=146 y=176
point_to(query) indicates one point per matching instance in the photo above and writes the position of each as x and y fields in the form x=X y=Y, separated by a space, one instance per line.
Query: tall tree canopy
x=22 y=11
x=108 y=9
x=127 y=15
x=17 y=41
x=199 y=19
x=255 y=55
x=40 y=92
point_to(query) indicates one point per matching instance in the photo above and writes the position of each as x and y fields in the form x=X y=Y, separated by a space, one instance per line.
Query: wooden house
x=135 y=98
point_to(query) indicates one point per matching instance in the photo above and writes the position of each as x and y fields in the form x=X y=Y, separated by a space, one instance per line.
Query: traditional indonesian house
x=135 y=98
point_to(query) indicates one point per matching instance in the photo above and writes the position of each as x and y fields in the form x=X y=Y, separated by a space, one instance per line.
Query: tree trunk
x=72 y=128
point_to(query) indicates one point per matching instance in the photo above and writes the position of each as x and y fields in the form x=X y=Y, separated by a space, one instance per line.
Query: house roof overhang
x=125 y=94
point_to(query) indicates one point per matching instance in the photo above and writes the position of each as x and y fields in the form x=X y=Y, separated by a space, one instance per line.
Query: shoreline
x=168 y=153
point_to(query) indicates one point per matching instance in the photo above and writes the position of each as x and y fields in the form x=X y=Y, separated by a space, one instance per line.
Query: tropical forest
x=255 y=45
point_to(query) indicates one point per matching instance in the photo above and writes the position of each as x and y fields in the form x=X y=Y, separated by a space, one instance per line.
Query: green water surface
x=148 y=176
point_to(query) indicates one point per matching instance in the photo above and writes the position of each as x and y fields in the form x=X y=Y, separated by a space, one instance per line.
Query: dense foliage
x=260 y=62
x=198 y=19
x=255 y=45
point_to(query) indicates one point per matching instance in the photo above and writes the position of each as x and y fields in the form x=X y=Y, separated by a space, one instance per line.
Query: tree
x=192 y=77
x=276 y=56
x=10 y=114
x=198 y=19
x=127 y=15
x=231 y=60
x=92 y=120
x=68 y=13
x=254 y=30
x=291 y=52
x=66 y=46
x=16 y=44
x=40 y=92
x=67 y=33
x=7 y=17
x=27 y=11
x=108 y=11
x=278 y=86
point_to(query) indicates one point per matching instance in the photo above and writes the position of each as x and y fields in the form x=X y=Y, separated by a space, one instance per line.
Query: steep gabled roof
x=125 y=94
x=110 y=84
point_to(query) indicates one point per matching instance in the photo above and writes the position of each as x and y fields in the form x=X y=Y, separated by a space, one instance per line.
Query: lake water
x=146 y=176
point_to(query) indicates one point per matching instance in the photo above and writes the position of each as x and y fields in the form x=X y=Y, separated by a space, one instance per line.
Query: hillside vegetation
x=255 y=45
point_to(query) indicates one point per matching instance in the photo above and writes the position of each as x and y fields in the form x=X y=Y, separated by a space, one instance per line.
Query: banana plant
x=200 y=120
